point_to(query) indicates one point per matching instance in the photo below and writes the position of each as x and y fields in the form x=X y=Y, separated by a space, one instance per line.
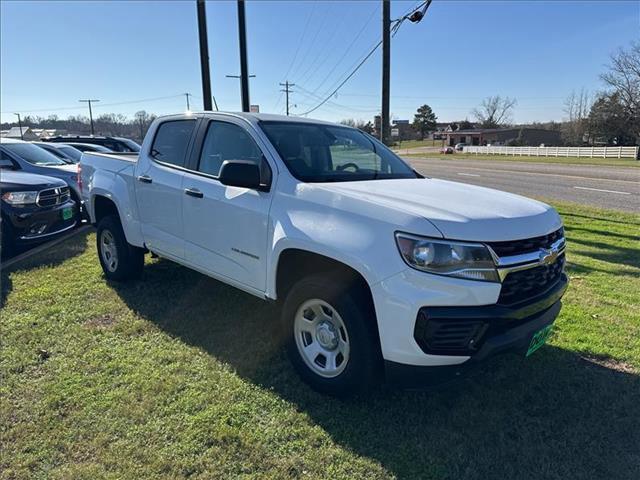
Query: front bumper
x=506 y=330
x=33 y=224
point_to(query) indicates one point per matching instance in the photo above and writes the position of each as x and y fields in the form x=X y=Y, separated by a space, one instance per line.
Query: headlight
x=20 y=198
x=454 y=259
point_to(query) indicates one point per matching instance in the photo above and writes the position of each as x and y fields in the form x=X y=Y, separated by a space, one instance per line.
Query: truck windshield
x=327 y=153
x=33 y=154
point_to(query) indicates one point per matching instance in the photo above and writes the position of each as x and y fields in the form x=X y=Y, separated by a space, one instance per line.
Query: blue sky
x=142 y=55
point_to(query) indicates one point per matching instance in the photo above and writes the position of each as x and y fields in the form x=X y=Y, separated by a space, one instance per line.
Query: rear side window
x=226 y=141
x=5 y=160
x=171 y=141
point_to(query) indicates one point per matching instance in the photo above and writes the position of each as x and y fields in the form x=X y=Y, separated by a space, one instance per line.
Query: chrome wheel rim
x=322 y=338
x=109 y=251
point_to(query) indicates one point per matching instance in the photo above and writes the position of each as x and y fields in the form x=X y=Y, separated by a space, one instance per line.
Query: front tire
x=331 y=339
x=120 y=261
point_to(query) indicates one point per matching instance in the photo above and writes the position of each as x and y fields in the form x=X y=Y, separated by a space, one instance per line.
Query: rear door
x=226 y=228
x=159 y=189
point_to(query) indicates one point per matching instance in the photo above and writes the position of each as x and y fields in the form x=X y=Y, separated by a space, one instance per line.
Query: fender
x=117 y=187
x=354 y=234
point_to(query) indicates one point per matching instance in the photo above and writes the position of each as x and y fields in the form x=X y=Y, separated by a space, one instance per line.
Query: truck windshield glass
x=33 y=154
x=327 y=153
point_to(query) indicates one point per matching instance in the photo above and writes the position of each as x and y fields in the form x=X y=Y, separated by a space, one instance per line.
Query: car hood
x=19 y=181
x=460 y=211
x=69 y=168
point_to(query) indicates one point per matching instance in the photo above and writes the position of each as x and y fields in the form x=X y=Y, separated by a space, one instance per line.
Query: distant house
x=27 y=134
x=403 y=129
x=504 y=136
x=48 y=132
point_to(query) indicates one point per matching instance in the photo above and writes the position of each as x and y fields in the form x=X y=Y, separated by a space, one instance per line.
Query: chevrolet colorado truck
x=381 y=273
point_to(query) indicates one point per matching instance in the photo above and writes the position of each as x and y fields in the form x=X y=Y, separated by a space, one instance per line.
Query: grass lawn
x=614 y=162
x=177 y=376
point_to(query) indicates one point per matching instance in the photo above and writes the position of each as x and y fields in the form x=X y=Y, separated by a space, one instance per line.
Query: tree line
x=109 y=124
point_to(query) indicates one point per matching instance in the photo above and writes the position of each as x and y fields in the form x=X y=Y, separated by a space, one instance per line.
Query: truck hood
x=460 y=211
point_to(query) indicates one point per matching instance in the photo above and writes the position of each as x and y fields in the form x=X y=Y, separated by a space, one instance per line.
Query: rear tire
x=120 y=261
x=330 y=337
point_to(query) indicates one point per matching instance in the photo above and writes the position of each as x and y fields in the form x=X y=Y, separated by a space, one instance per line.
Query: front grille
x=448 y=337
x=526 y=284
x=517 y=247
x=53 y=196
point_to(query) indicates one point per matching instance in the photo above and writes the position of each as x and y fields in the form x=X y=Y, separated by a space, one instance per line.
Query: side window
x=226 y=141
x=115 y=146
x=5 y=160
x=171 y=141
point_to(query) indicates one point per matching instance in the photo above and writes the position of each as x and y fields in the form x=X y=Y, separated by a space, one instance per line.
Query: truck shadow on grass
x=554 y=415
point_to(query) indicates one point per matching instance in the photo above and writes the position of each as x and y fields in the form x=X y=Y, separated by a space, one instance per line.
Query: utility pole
x=90 y=112
x=243 y=79
x=188 y=95
x=20 y=126
x=386 y=69
x=244 y=69
x=287 y=90
x=204 y=55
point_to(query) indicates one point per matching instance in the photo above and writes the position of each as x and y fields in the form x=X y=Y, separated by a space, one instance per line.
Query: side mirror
x=241 y=173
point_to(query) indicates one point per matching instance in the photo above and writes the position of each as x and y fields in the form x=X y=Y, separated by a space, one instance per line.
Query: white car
x=382 y=274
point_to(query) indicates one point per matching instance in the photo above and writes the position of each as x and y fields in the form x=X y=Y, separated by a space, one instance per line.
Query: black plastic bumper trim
x=514 y=340
x=434 y=326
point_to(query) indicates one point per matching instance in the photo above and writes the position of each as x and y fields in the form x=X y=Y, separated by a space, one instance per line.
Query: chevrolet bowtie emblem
x=548 y=255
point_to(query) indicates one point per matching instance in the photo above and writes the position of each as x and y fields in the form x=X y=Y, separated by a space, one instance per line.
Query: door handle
x=194 y=192
x=145 y=179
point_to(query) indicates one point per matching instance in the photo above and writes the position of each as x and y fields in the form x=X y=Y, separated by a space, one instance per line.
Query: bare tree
x=143 y=119
x=623 y=78
x=577 y=107
x=494 y=111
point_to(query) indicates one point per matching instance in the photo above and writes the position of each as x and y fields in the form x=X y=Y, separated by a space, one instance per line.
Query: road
x=616 y=188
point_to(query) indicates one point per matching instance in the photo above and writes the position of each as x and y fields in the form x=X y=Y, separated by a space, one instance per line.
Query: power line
x=102 y=105
x=312 y=44
x=345 y=80
x=393 y=30
x=347 y=50
x=301 y=41
x=310 y=71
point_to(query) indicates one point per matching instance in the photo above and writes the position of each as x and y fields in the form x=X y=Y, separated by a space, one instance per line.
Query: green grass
x=177 y=376
x=614 y=162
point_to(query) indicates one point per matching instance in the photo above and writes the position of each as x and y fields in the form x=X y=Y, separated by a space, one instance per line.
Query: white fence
x=589 y=152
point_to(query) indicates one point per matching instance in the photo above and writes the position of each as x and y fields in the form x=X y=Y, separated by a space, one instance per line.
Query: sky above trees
x=144 y=55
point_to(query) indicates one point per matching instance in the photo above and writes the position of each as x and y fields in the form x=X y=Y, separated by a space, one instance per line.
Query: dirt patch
x=101 y=321
x=612 y=364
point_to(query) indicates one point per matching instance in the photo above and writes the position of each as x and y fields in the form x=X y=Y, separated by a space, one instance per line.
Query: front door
x=159 y=191
x=226 y=228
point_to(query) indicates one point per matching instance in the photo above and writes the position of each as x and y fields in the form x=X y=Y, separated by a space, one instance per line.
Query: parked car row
x=39 y=186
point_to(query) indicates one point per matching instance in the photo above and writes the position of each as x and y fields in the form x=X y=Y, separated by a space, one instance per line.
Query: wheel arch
x=293 y=264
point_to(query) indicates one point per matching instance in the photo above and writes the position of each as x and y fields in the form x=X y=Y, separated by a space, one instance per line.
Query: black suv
x=34 y=208
x=115 y=144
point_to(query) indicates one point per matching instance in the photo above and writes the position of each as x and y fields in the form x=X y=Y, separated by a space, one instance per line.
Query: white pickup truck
x=380 y=272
